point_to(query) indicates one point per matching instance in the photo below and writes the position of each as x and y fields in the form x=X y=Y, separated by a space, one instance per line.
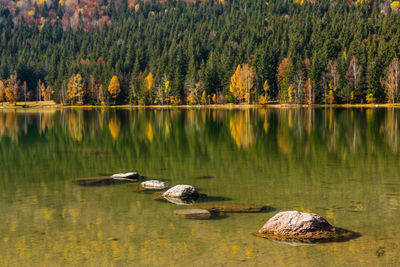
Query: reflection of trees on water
x=389 y=129
x=242 y=129
x=342 y=131
x=114 y=125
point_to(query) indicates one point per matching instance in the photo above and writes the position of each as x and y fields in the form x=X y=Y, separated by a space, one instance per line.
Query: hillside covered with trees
x=200 y=52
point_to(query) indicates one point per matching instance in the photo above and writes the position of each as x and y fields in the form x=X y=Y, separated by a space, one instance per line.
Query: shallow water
x=340 y=163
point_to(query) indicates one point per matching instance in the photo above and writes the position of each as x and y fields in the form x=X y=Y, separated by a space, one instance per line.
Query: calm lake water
x=340 y=163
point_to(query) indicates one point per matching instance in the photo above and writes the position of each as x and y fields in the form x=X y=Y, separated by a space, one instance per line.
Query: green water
x=340 y=163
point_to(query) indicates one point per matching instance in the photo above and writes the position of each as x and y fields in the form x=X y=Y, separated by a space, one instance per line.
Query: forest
x=104 y=52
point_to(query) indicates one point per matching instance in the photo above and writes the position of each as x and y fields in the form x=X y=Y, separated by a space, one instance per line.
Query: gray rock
x=182 y=191
x=154 y=184
x=128 y=175
x=193 y=214
x=295 y=224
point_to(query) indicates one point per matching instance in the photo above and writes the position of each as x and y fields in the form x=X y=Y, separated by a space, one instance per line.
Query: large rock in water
x=128 y=175
x=154 y=184
x=299 y=226
x=182 y=191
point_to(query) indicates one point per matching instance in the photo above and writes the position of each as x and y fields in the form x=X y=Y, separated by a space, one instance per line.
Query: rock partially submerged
x=233 y=208
x=199 y=214
x=128 y=175
x=99 y=181
x=154 y=184
x=179 y=201
x=182 y=191
x=302 y=227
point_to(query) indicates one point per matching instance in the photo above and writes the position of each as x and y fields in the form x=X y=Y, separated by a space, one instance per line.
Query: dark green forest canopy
x=205 y=42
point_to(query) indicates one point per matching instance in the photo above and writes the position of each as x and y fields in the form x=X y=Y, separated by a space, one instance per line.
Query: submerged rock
x=182 y=191
x=200 y=214
x=154 y=184
x=233 y=208
x=99 y=181
x=302 y=227
x=128 y=175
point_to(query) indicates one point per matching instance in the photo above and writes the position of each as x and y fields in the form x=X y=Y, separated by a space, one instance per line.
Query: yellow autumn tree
x=242 y=83
x=75 y=90
x=203 y=100
x=264 y=99
x=46 y=92
x=114 y=88
x=2 y=92
x=100 y=96
x=11 y=89
x=149 y=80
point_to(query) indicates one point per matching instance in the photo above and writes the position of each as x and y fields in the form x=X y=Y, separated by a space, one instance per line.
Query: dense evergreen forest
x=202 y=52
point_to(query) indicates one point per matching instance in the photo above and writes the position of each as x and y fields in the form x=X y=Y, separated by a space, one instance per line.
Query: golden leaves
x=114 y=87
x=242 y=83
x=149 y=80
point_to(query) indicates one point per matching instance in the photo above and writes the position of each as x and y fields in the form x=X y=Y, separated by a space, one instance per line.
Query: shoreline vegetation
x=33 y=105
x=201 y=52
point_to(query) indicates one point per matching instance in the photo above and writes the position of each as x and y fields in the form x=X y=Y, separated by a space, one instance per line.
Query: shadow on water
x=205 y=198
x=205 y=177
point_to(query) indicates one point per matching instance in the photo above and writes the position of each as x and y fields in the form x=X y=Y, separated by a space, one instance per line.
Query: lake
x=342 y=164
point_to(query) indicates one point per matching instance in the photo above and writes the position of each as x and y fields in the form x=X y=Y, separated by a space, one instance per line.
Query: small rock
x=182 y=191
x=193 y=214
x=128 y=175
x=154 y=184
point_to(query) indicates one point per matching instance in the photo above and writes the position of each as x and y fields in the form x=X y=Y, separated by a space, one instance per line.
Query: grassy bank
x=52 y=104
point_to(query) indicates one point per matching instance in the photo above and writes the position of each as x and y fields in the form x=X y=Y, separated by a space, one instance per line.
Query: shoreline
x=46 y=105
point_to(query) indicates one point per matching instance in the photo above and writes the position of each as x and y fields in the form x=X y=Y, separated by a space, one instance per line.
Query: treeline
x=212 y=52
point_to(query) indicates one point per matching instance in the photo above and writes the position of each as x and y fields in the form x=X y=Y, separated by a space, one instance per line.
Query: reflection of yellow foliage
x=115 y=126
x=235 y=249
x=389 y=129
x=369 y=114
x=241 y=129
x=75 y=125
x=282 y=143
x=150 y=134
